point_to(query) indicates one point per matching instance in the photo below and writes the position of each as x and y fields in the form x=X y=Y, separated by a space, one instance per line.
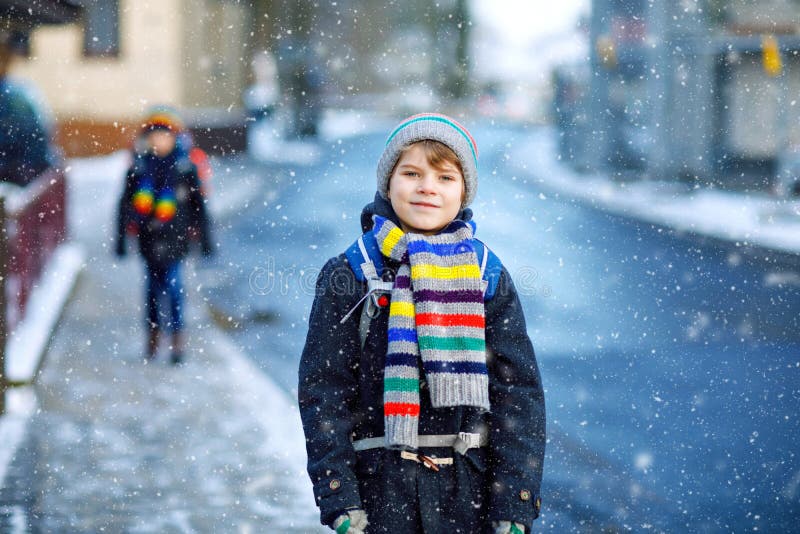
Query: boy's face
x=425 y=198
x=161 y=142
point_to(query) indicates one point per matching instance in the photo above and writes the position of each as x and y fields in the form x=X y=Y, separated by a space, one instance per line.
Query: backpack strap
x=366 y=262
x=491 y=269
x=365 y=258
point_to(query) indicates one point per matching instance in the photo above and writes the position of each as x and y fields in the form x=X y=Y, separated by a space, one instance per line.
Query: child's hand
x=351 y=522
x=508 y=527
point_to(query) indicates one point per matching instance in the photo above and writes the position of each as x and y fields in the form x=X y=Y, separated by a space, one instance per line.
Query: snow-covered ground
x=27 y=343
x=20 y=405
x=242 y=416
x=94 y=186
x=746 y=219
x=267 y=143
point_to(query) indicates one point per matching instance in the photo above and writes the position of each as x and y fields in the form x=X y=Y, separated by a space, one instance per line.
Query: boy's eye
x=410 y=173
x=447 y=178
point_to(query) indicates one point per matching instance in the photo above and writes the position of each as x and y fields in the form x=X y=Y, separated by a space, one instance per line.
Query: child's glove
x=508 y=527
x=351 y=522
x=120 y=249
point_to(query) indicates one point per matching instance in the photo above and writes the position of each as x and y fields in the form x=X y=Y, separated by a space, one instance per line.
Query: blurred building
x=395 y=56
x=703 y=90
x=24 y=15
x=26 y=139
x=101 y=73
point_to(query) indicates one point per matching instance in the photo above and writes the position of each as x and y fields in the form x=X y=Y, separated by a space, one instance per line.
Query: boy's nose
x=426 y=184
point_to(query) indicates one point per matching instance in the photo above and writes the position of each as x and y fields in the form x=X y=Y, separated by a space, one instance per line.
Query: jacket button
x=335 y=484
x=525 y=495
x=538 y=504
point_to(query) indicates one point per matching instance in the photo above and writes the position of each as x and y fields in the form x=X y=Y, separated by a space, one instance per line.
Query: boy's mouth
x=424 y=204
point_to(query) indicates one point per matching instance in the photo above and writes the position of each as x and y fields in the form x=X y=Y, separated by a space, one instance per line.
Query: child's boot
x=152 y=343
x=177 y=357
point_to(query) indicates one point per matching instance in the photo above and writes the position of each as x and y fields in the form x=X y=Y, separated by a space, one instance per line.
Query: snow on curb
x=27 y=343
x=107 y=169
x=267 y=142
x=755 y=219
x=339 y=124
x=20 y=405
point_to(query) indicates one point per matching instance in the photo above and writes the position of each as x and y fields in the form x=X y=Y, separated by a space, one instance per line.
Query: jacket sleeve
x=122 y=209
x=199 y=219
x=327 y=390
x=23 y=140
x=517 y=418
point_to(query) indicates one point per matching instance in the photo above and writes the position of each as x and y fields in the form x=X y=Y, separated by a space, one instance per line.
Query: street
x=671 y=365
x=638 y=177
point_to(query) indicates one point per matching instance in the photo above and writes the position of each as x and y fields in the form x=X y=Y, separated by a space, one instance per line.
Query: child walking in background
x=162 y=205
x=419 y=391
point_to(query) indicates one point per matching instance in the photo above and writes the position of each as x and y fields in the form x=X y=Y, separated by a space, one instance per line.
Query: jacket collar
x=381 y=206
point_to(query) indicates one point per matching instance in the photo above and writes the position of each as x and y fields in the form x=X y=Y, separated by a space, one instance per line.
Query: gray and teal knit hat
x=438 y=128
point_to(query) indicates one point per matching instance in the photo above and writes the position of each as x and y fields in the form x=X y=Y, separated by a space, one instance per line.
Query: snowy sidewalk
x=132 y=447
x=755 y=219
x=118 y=445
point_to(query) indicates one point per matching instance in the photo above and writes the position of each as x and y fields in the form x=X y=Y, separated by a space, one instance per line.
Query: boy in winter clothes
x=427 y=415
x=162 y=203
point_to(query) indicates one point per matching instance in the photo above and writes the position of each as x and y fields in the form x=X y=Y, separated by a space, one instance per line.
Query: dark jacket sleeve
x=517 y=418
x=24 y=141
x=123 y=209
x=199 y=218
x=328 y=387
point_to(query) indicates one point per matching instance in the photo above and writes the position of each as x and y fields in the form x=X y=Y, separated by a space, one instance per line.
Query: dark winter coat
x=341 y=397
x=24 y=138
x=163 y=243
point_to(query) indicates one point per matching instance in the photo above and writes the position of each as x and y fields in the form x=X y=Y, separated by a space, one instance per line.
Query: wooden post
x=3 y=311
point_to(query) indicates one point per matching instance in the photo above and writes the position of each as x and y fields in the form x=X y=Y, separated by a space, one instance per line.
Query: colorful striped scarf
x=436 y=314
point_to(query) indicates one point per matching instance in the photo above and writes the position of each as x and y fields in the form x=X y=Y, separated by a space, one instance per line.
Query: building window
x=100 y=28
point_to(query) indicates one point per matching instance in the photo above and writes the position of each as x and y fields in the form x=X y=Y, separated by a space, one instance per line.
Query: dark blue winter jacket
x=341 y=399
x=163 y=243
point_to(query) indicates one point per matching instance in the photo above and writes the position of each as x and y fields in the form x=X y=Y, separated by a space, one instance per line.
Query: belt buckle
x=428 y=462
